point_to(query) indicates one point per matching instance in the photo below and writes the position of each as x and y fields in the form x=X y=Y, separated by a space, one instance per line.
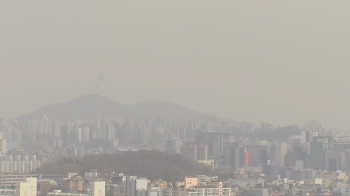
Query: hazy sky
x=283 y=62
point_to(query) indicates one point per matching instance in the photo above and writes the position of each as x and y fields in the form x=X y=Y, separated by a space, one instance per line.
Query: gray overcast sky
x=283 y=62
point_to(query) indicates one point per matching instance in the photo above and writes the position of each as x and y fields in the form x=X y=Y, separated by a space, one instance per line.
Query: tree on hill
x=150 y=164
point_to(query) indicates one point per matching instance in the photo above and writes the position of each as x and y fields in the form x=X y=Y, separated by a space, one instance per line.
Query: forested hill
x=279 y=133
x=92 y=106
x=150 y=164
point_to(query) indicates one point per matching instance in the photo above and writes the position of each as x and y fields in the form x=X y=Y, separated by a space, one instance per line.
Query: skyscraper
x=194 y=151
x=317 y=155
x=130 y=185
x=215 y=142
x=235 y=156
x=3 y=148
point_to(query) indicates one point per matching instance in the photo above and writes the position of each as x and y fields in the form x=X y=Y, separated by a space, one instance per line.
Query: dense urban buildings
x=313 y=161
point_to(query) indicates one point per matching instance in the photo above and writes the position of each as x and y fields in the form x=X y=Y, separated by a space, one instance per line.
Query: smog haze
x=282 y=62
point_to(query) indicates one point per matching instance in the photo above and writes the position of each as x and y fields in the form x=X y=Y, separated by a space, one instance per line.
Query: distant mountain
x=92 y=106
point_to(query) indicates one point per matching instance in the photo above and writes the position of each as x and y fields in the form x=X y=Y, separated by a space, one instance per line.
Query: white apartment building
x=97 y=188
x=208 y=191
x=136 y=186
x=27 y=188
x=19 y=164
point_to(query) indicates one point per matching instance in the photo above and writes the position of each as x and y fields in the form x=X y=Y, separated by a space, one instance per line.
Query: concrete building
x=272 y=170
x=260 y=192
x=215 y=142
x=43 y=127
x=299 y=164
x=91 y=174
x=347 y=161
x=97 y=188
x=56 y=129
x=342 y=145
x=173 y=145
x=19 y=164
x=247 y=127
x=45 y=186
x=334 y=161
x=190 y=181
x=76 y=183
x=235 y=156
x=308 y=136
x=280 y=151
x=60 y=193
x=136 y=186
x=28 y=187
x=141 y=186
x=154 y=191
x=294 y=141
x=295 y=156
x=86 y=134
x=194 y=151
x=316 y=155
x=177 y=191
x=295 y=174
x=7 y=180
x=254 y=152
x=189 y=151
x=3 y=146
x=131 y=185
x=215 y=189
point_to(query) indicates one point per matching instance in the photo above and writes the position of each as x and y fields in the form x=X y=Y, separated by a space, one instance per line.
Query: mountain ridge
x=92 y=106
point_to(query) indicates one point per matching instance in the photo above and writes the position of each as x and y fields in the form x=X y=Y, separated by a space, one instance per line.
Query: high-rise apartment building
x=173 y=145
x=76 y=183
x=56 y=129
x=3 y=147
x=308 y=136
x=278 y=152
x=86 y=134
x=19 y=164
x=215 y=142
x=194 y=151
x=136 y=186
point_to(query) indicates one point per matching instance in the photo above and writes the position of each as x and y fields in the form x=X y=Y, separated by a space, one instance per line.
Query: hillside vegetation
x=150 y=164
x=279 y=133
x=90 y=106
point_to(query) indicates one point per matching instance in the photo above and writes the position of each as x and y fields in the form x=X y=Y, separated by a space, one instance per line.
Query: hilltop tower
x=102 y=80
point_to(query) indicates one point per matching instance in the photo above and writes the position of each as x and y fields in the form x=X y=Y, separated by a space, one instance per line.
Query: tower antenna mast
x=102 y=80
